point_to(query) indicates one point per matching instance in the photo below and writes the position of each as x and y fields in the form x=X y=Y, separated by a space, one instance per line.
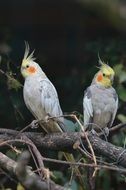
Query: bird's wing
x=49 y=100
x=116 y=107
x=87 y=107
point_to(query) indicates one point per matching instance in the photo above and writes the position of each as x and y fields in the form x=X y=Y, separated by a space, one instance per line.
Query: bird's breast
x=103 y=103
x=32 y=98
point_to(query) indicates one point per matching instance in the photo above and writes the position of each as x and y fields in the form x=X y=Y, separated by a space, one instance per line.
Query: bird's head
x=29 y=66
x=105 y=76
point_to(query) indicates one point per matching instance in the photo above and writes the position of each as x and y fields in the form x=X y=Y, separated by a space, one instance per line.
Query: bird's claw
x=106 y=131
x=93 y=132
x=47 y=118
x=46 y=173
x=34 y=124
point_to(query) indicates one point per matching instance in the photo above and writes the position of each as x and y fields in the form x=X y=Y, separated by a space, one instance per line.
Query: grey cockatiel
x=100 y=101
x=40 y=95
x=41 y=98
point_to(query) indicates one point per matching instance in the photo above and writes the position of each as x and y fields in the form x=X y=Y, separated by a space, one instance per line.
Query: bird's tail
x=69 y=157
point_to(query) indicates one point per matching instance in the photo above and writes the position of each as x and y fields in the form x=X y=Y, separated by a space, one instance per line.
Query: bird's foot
x=34 y=124
x=46 y=173
x=93 y=132
x=106 y=131
x=47 y=118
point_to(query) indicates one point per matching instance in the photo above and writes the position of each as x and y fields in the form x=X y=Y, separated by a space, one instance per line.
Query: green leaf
x=20 y=187
x=122 y=77
x=118 y=69
x=122 y=118
x=122 y=93
x=13 y=83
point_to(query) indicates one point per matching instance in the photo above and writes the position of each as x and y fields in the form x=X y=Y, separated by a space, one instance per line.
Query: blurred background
x=67 y=37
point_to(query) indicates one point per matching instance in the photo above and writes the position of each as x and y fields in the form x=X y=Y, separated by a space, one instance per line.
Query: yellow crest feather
x=27 y=55
x=106 y=68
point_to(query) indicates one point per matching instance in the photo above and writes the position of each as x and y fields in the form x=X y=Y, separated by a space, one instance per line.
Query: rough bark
x=66 y=142
x=26 y=177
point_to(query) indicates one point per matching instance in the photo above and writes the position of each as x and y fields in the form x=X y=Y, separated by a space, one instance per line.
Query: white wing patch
x=49 y=99
x=88 y=109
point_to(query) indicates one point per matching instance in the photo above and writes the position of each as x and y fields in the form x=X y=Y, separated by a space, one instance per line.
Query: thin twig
x=85 y=134
x=36 y=153
x=28 y=142
x=117 y=127
x=98 y=166
x=87 y=139
x=36 y=164
x=84 y=152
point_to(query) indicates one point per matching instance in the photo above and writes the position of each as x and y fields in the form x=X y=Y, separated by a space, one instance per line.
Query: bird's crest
x=105 y=67
x=27 y=55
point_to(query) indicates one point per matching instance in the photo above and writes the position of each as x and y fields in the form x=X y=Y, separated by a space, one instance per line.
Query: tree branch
x=26 y=177
x=66 y=142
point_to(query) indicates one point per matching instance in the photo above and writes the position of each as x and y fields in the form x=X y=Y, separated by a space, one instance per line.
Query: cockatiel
x=40 y=95
x=41 y=98
x=100 y=101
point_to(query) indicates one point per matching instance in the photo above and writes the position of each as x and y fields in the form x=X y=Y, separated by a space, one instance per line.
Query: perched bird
x=40 y=95
x=41 y=98
x=100 y=101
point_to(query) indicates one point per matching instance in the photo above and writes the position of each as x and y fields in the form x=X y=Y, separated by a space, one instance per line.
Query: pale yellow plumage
x=105 y=75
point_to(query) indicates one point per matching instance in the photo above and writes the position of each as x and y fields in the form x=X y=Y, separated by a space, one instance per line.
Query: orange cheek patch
x=99 y=77
x=31 y=69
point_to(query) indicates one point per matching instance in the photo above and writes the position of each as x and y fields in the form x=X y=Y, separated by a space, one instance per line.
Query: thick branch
x=26 y=177
x=66 y=141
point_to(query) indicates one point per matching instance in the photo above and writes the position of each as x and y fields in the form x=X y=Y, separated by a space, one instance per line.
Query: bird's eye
x=27 y=66
x=104 y=74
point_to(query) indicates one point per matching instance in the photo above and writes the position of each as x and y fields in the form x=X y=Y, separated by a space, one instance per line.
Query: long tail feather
x=70 y=158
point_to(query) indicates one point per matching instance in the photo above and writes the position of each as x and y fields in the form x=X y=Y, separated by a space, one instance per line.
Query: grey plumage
x=100 y=106
x=41 y=99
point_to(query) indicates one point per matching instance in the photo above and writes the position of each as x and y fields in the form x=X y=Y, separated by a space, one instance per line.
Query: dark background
x=67 y=37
